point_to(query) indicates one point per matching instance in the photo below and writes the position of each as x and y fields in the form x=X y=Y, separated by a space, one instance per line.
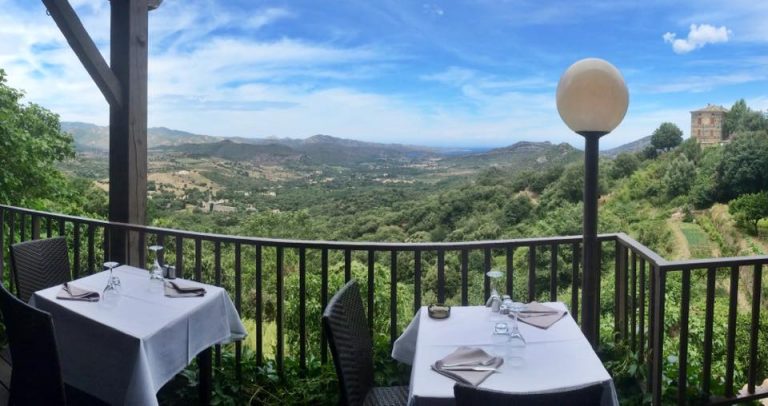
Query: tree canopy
x=31 y=142
x=744 y=166
x=741 y=119
x=666 y=137
x=624 y=165
x=750 y=208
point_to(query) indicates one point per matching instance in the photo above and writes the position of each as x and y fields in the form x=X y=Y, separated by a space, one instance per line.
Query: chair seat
x=387 y=396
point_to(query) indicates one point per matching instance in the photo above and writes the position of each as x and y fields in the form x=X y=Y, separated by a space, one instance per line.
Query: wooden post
x=128 y=125
x=124 y=86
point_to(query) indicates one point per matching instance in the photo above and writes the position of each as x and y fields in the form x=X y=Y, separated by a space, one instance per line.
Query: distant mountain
x=328 y=149
x=233 y=151
x=318 y=148
x=630 y=147
x=91 y=137
x=523 y=154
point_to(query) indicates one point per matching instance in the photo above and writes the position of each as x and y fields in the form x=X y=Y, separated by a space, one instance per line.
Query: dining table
x=554 y=359
x=123 y=348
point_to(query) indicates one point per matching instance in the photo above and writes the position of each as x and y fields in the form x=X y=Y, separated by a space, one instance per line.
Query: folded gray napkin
x=176 y=289
x=541 y=316
x=71 y=292
x=466 y=357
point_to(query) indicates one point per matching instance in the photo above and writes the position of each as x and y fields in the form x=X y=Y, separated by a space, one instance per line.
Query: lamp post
x=592 y=100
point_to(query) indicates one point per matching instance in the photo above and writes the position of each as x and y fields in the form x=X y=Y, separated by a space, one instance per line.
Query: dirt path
x=682 y=251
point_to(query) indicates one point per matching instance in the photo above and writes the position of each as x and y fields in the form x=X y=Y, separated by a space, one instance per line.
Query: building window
x=699 y=120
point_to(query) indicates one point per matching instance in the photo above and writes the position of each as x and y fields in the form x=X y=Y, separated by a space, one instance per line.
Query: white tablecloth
x=123 y=351
x=555 y=359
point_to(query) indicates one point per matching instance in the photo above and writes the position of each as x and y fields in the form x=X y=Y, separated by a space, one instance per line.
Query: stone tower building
x=707 y=125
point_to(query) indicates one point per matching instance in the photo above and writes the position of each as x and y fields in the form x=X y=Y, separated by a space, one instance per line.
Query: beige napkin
x=469 y=357
x=176 y=289
x=71 y=292
x=538 y=315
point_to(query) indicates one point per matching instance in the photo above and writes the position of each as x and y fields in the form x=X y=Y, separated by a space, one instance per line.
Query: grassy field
x=698 y=241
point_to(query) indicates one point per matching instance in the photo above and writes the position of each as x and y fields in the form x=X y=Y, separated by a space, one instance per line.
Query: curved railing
x=300 y=275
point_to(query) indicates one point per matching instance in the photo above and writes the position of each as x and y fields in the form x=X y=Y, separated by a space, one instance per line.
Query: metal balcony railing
x=300 y=273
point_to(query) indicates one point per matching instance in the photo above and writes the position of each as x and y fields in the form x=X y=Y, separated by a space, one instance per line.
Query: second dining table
x=125 y=348
x=554 y=359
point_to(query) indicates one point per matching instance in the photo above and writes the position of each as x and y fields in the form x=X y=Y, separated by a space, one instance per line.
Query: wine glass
x=495 y=299
x=495 y=276
x=515 y=336
x=113 y=280
x=156 y=271
x=112 y=288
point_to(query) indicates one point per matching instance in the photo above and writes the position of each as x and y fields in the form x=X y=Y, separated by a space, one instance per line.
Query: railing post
x=393 y=298
x=416 y=281
x=730 y=340
x=682 y=368
x=757 y=280
x=2 y=244
x=35 y=227
x=531 y=273
x=657 y=362
x=441 y=276
x=620 y=294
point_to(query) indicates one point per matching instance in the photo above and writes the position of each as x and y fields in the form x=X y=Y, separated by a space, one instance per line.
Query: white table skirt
x=555 y=359
x=123 y=351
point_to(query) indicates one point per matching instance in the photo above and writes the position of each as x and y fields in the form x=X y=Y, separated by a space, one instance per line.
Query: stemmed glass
x=113 y=282
x=515 y=337
x=156 y=271
x=495 y=277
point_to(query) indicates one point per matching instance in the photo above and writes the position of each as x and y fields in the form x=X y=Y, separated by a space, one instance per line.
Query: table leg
x=205 y=374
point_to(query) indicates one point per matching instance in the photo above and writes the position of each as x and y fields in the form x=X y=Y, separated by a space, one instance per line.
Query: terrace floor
x=74 y=396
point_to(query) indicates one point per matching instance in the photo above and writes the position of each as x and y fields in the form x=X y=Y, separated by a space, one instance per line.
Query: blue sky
x=443 y=73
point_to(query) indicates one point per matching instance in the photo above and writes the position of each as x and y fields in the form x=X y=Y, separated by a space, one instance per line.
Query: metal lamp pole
x=592 y=100
x=591 y=263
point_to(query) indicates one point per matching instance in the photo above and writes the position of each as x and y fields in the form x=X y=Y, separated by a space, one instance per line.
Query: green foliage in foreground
x=31 y=142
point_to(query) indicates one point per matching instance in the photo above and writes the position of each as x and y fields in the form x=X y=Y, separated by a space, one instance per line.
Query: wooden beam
x=128 y=124
x=77 y=37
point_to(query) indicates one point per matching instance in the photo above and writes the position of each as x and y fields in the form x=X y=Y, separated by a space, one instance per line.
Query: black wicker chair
x=39 y=264
x=346 y=326
x=471 y=396
x=36 y=374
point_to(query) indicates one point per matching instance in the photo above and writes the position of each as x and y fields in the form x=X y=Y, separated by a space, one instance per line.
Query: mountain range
x=326 y=149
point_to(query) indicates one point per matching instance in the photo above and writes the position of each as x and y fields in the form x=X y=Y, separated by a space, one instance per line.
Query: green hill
x=521 y=155
x=267 y=153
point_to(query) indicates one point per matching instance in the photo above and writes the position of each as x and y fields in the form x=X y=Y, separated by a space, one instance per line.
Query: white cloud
x=698 y=36
x=748 y=15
